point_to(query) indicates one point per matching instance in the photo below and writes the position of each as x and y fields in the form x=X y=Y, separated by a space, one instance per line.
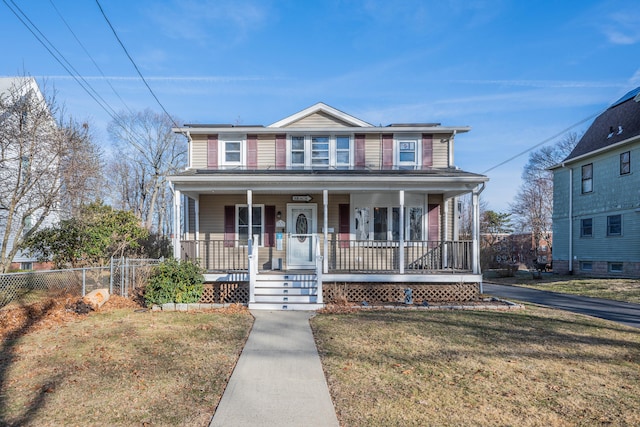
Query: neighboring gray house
x=596 y=197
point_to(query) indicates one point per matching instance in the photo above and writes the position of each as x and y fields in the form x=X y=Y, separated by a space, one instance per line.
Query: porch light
x=278 y=215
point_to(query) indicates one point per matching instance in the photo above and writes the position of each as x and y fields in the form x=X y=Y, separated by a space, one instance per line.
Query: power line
x=551 y=138
x=134 y=64
x=90 y=57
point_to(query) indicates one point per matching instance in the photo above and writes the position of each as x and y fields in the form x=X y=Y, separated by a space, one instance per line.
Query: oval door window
x=302 y=227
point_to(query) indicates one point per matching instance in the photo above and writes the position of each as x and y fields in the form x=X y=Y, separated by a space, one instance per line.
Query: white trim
x=237 y=221
x=223 y=139
x=411 y=138
x=308 y=150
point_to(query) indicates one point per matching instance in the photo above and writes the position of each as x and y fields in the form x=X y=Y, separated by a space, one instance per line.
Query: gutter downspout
x=570 y=219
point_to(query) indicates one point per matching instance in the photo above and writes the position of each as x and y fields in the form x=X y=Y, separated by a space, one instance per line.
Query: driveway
x=621 y=312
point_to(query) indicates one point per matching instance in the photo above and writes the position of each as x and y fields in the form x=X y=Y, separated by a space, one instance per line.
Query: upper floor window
x=625 y=163
x=587 y=178
x=232 y=151
x=407 y=152
x=320 y=151
x=614 y=225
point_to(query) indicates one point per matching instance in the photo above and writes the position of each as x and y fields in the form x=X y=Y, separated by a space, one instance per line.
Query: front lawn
x=117 y=367
x=529 y=367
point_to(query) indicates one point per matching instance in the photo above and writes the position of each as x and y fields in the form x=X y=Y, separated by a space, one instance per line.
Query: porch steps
x=286 y=291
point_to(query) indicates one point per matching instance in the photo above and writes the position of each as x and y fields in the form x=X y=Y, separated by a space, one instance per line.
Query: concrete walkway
x=278 y=380
x=617 y=311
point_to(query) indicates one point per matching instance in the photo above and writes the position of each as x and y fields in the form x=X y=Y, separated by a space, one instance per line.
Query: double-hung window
x=343 y=152
x=242 y=223
x=587 y=178
x=386 y=223
x=232 y=151
x=625 y=163
x=586 y=227
x=407 y=153
x=297 y=152
x=614 y=225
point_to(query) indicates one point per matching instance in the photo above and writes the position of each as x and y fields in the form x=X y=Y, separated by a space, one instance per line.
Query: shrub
x=174 y=281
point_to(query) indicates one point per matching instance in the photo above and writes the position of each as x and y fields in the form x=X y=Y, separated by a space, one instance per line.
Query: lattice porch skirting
x=375 y=293
x=225 y=293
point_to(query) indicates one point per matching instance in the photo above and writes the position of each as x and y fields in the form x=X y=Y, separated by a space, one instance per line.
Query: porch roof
x=451 y=182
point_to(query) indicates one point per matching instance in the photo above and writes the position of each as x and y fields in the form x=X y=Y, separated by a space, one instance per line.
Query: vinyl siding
x=440 y=151
x=318 y=120
x=199 y=152
x=266 y=151
x=372 y=151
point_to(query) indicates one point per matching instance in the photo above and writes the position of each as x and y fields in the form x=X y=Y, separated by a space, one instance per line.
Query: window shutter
x=359 y=149
x=281 y=151
x=343 y=225
x=387 y=151
x=212 y=151
x=252 y=151
x=229 y=226
x=270 y=226
x=427 y=150
x=434 y=223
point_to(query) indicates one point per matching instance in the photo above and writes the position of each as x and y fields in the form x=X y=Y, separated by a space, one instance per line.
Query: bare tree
x=148 y=151
x=33 y=150
x=82 y=167
x=532 y=207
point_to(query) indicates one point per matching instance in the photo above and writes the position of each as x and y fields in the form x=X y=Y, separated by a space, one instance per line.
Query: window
x=614 y=225
x=320 y=152
x=586 y=227
x=407 y=152
x=232 y=153
x=587 y=178
x=242 y=223
x=615 y=267
x=586 y=265
x=362 y=223
x=297 y=151
x=625 y=163
x=380 y=224
x=343 y=152
x=26 y=266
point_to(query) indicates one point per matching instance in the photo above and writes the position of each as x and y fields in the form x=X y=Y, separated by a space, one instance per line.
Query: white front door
x=301 y=226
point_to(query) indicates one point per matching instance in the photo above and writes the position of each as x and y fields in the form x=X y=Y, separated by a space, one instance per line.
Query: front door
x=301 y=226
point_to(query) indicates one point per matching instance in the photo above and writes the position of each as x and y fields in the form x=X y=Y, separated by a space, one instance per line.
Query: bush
x=174 y=281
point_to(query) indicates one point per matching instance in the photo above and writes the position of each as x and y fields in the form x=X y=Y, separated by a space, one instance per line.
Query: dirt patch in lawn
x=120 y=365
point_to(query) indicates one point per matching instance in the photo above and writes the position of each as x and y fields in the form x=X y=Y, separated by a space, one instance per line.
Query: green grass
x=122 y=368
x=529 y=367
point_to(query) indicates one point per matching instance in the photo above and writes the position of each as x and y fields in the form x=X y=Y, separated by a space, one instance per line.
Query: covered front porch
x=287 y=231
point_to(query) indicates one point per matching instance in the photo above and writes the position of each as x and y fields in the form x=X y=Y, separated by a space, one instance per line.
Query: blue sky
x=517 y=72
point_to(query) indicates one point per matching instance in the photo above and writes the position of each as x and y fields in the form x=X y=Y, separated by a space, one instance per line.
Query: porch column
x=325 y=227
x=401 y=234
x=196 y=207
x=176 y=224
x=445 y=232
x=250 y=213
x=475 y=261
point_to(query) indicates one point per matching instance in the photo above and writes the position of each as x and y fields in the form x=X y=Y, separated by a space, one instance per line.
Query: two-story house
x=322 y=205
x=596 y=197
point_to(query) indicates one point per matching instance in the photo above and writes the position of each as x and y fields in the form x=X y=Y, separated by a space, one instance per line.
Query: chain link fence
x=122 y=277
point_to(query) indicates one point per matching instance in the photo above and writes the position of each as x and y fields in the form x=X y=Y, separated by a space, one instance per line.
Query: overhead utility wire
x=60 y=57
x=95 y=97
x=134 y=64
x=551 y=138
x=90 y=57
